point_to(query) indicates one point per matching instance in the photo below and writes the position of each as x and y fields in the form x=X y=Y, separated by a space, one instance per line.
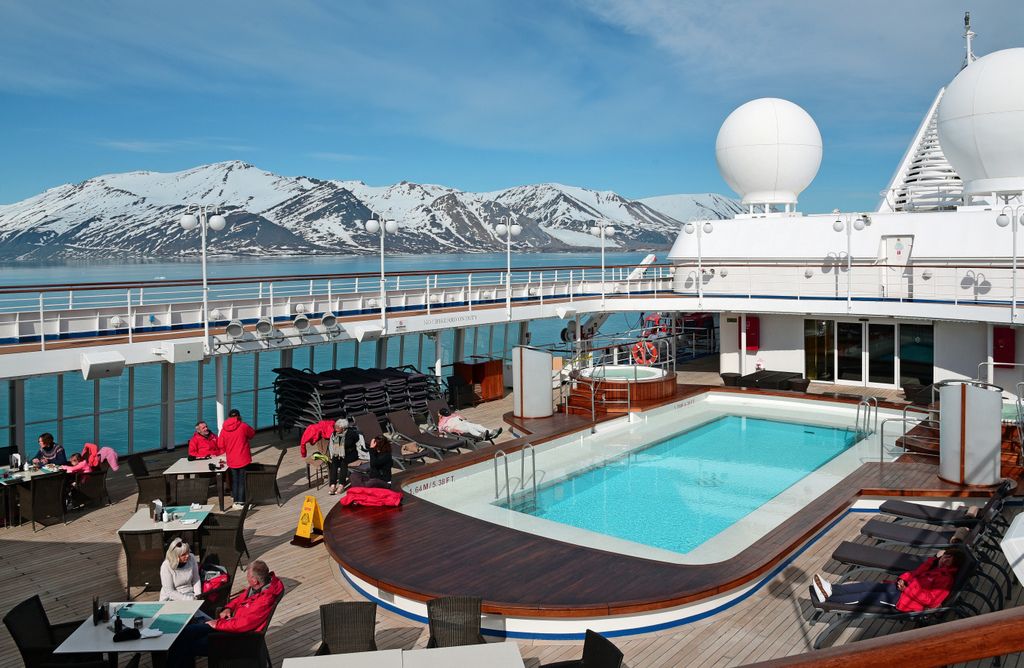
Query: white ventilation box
x=102 y=365
x=178 y=352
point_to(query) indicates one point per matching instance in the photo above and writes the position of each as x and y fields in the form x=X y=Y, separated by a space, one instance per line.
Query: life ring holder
x=645 y=353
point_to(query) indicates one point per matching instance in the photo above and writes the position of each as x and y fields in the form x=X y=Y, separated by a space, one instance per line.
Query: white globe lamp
x=188 y=221
x=501 y=229
x=981 y=124
x=217 y=223
x=595 y=230
x=515 y=230
x=372 y=226
x=768 y=151
x=391 y=226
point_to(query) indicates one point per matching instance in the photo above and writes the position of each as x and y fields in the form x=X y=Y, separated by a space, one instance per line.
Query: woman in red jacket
x=203 y=444
x=234 y=438
x=923 y=588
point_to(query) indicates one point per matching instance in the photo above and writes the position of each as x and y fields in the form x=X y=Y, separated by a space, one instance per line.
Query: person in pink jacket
x=234 y=439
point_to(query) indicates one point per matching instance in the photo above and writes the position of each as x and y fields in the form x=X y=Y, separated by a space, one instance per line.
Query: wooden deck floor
x=68 y=564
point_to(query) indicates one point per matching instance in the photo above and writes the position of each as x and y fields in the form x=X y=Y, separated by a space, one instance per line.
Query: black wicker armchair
x=91 y=488
x=454 y=620
x=36 y=637
x=347 y=626
x=261 y=481
x=152 y=486
x=191 y=490
x=598 y=652
x=43 y=500
x=144 y=552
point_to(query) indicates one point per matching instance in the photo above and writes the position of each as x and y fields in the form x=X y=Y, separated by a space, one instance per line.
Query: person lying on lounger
x=449 y=422
x=923 y=588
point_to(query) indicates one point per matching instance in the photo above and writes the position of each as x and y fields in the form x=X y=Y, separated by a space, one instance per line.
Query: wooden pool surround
x=422 y=550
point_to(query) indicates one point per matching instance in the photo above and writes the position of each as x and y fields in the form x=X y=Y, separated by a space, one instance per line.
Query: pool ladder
x=865 y=426
x=503 y=456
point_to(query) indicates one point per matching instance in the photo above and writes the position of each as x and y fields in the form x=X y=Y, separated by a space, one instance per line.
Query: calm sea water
x=680 y=492
x=41 y=393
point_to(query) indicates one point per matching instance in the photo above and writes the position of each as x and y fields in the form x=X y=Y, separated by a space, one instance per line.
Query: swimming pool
x=677 y=493
x=628 y=448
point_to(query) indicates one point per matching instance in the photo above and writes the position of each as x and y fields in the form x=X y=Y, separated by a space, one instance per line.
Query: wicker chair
x=261 y=481
x=43 y=499
x=347 y=626
x=240 y=650
x=36 y=637
x=454 y=620
x=225 y=533
x=191 y=490
x=151 y=486
x=320 y=466
x=91 y=488
x=598 y=652
x=144 y=552
x=229 y=559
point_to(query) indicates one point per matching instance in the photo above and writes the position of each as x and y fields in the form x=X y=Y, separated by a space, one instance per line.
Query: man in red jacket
x=249 y=611
x=203 y=444
x=234 y=438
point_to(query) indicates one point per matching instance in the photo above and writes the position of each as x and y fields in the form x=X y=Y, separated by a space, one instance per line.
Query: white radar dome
x=981 y=123
x=768 y=150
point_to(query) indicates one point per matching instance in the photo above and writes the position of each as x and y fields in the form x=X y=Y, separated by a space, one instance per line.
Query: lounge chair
x=847 y=612
x=598 y=652
x=434 y=408
x=917 y=512
x=369 y=427
x=261 y=481
x=404 y=424
x=923 y=537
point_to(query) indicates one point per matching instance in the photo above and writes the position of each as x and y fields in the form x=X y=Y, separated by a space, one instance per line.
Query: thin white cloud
x=171 y=145
x=335 y=157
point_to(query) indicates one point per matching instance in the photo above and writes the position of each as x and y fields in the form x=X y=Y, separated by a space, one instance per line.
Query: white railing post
x=130 y=323
x=42 y=323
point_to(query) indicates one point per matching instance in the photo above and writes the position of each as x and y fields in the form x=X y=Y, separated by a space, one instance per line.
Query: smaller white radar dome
x=768 y=150
x=981 y=123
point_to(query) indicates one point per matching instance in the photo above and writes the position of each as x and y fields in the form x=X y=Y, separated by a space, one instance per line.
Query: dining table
x=214 y=466
x=181 y=518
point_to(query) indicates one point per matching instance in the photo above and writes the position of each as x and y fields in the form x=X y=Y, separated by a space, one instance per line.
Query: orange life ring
x=645 y=352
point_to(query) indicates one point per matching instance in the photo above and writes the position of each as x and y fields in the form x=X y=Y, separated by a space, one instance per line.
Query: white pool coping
x=471 y=490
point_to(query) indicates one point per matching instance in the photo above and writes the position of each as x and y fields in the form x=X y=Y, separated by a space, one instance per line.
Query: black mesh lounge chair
x=347 y=626
x=922 y=537
x=240 y=650
x=956 y=516
x=144 y=552
x=454 y=620
x=598 y=652
x=369 y=427
x=152 y=486
x=191 y=490
x=261 y=481
x=36 y=637
x=434 y=408
x=43 y=499
x=844 y=613
x=406 y=427
x=225 y=532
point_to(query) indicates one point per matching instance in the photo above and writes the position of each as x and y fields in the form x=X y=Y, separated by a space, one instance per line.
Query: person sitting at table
x=49 y=452
x=249 y=611
x=203 y=444
x=453 y=423
x=381 y=460
x=179 y=574
x=79 y=464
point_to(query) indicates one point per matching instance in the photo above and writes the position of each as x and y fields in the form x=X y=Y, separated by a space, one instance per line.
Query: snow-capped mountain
x=135 y=214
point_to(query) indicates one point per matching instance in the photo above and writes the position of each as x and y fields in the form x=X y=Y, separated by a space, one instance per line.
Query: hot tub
x=622 y=373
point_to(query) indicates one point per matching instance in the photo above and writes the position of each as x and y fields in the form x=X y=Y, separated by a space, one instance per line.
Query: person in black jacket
x=380 y=459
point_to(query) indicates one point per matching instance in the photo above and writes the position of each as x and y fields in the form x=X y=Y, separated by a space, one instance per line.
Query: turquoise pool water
x=678 y=493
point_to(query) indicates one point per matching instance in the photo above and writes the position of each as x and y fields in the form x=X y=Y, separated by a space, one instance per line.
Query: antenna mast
x=969 y=36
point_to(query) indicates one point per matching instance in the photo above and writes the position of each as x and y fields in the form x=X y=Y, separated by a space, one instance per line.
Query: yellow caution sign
x=311 y=524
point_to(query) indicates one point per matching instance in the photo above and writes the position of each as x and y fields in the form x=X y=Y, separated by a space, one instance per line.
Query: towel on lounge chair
x=371 y=496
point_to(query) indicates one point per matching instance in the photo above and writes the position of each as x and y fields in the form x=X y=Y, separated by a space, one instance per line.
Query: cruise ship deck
x=68 y=564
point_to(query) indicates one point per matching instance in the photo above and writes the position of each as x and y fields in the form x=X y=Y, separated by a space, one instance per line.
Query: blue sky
x=479 y=95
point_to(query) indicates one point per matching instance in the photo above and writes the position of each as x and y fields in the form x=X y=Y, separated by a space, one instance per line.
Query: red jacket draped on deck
x=315 y=432
x=234 y=438
x=371 y=496
x=252 y=612
x=928 y=585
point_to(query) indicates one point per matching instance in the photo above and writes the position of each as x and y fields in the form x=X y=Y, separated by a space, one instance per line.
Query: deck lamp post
x=602 y=231
x=847 y=223
x=508 y=231
x=205 y=217
x=1012 y=216
x=380 y=226
x=700 y=229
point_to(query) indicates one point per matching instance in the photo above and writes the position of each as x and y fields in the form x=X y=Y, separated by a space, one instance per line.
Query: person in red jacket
x=249 y=611
x=923 y=588
x=203 y=444
x=234 y=438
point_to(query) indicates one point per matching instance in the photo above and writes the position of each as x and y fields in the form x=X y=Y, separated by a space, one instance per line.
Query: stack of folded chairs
x=303 y=397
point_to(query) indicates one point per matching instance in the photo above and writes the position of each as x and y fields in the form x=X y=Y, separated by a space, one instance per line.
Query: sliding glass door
x=819 y=350
x=849 y=352
x=881 y=354
x=868 y=353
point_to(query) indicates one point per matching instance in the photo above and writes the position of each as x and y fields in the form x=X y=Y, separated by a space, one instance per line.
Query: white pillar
x=743 y=344
x=16 y=406
x=218 y=382
x=524 y=333
x=438 y=354
x=460 y=343
x=989 y=354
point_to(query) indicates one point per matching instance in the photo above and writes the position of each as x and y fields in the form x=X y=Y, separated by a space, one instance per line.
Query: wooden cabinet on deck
x=485 y=376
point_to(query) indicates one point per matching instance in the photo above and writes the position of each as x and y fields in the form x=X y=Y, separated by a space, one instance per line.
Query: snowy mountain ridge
x=134 y=214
